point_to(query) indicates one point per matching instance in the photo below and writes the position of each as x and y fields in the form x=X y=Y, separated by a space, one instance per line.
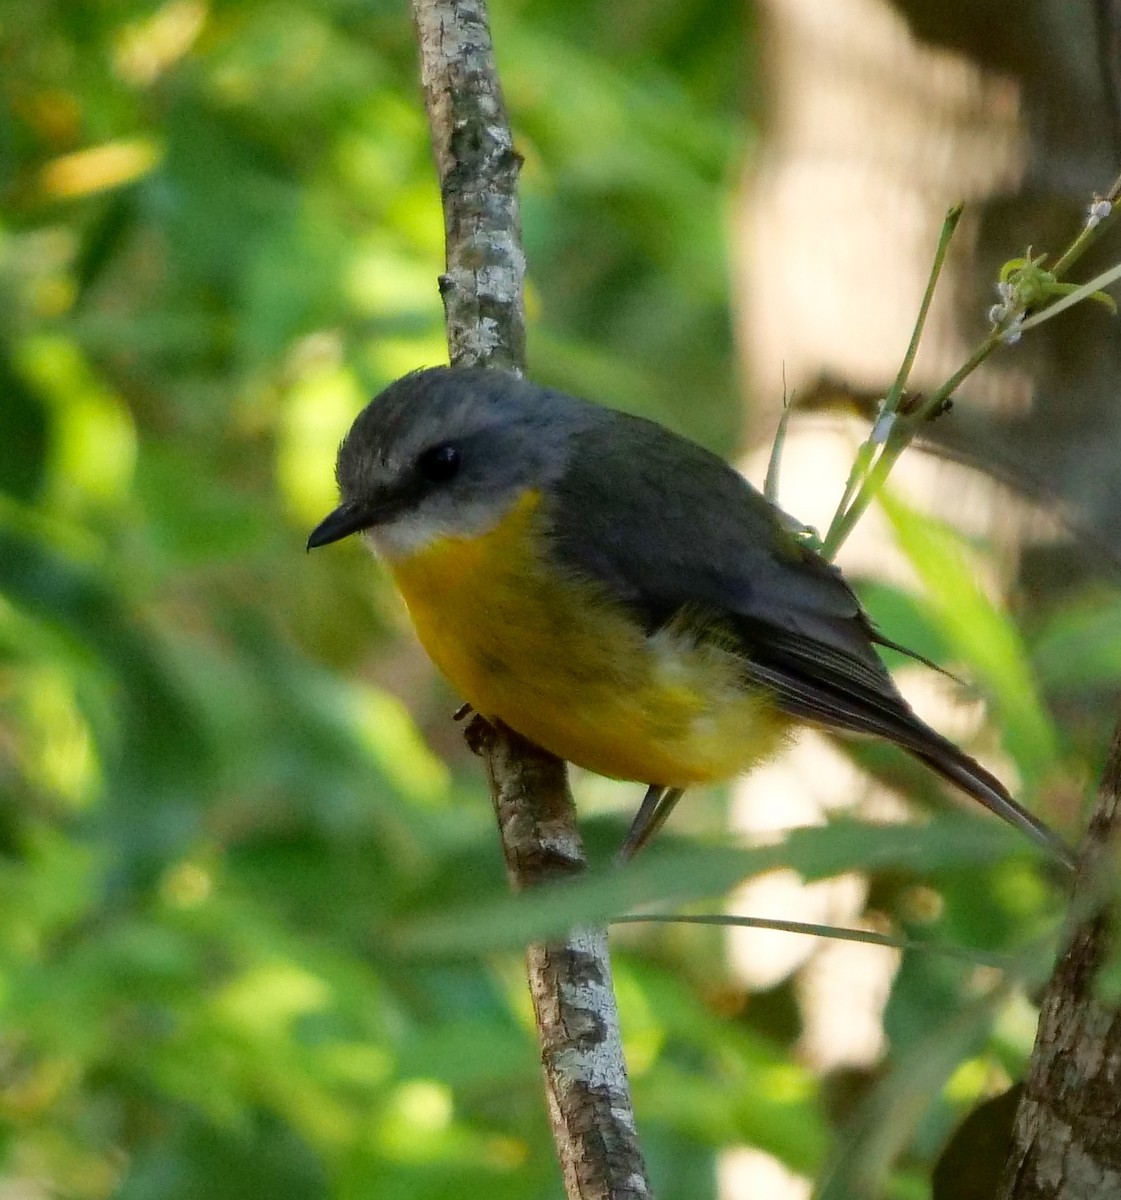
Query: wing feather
x=667 y=526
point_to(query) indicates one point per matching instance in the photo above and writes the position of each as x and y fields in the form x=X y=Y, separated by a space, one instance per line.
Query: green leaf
x=1080 y=646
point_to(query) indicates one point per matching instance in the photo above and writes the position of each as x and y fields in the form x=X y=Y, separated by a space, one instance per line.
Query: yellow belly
x=565 y=667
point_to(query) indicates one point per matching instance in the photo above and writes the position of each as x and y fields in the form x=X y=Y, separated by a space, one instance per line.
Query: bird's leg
x=655 y=808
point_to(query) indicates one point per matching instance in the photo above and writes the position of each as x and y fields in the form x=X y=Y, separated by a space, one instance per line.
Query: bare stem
x=570 y=979
x=949 y=225
x=892 y=432
x=1089 y=234
x=858 y=494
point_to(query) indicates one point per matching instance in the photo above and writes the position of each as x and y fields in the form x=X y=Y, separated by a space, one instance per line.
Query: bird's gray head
x=448 y=451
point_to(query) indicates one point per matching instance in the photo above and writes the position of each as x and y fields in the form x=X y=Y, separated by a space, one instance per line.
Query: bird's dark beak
x=345 y=520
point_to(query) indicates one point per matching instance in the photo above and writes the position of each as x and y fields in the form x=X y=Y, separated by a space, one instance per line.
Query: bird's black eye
x=439 y=463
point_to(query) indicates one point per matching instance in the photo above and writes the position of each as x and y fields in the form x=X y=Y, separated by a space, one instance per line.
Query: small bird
x=616 y=593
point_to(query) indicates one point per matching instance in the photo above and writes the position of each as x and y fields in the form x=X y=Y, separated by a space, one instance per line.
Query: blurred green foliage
x=222 y=832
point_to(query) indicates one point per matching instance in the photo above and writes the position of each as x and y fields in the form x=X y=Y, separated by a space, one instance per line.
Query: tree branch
x=1064 y=1142
x=482 y=288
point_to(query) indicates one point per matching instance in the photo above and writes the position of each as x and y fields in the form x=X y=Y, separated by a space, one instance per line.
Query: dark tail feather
x=968 y=774
x=818 y=685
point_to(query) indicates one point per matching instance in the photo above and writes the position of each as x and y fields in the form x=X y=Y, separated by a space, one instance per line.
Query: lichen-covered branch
x=1065 y=1143
x=482 y=287
x=570 y=980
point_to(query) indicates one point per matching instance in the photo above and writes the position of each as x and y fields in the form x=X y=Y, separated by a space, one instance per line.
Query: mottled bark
x=1066 y=1143
x=573 y=998
x=477 y=164
x=585 y=1076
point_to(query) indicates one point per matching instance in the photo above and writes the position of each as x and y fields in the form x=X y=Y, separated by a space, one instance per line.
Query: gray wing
x=666 y=526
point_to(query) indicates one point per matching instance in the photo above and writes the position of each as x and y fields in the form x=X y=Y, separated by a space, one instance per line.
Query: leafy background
x=253 y=934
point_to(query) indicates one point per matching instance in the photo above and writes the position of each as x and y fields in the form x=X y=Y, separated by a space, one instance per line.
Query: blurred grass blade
x=1080 y=646
x=681 y=875
x=981 y=633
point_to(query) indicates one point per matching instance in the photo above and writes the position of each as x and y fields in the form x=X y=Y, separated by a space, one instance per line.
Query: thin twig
x=570 y=979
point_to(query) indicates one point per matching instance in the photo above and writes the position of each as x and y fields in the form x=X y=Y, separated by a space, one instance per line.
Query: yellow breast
x=555 y=659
